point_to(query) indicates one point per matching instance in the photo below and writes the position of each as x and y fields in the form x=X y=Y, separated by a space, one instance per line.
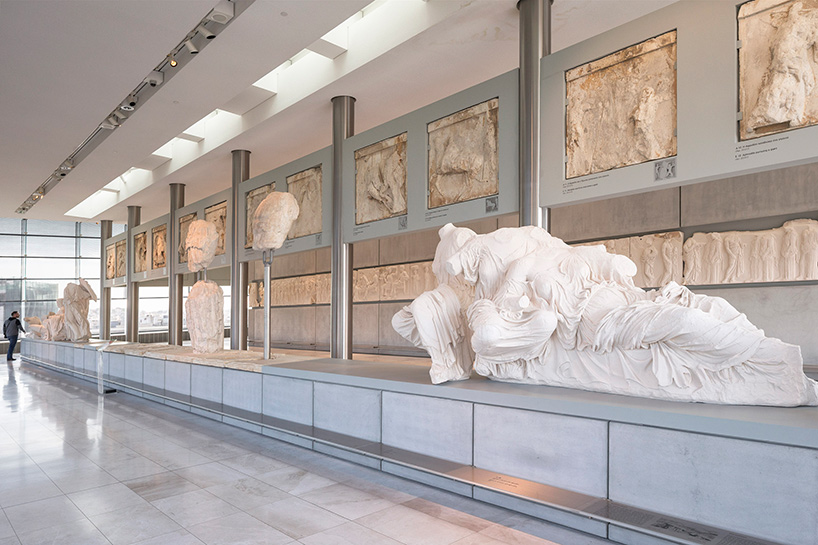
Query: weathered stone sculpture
x=547 y=313
x=380 y=180
x=35 y=328
x=205 y=303
x=305 y=186
x=55 y=324
x=778 y=64
x=75 y=301
x=273 y=219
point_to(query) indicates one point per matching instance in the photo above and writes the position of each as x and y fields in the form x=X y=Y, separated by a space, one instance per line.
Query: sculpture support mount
x=267 y=259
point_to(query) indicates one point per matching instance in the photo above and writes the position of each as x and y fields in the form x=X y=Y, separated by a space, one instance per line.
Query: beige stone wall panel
x=380 y=180
x=306 y=186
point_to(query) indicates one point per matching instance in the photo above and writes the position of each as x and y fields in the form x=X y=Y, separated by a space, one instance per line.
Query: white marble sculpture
x=76 y=299
x=621 y=109
x=787 y=253
x=205 y=303
x=35 y=328
x=547 y=313
x=658 y=257
x=273 y=219
x=778 y=65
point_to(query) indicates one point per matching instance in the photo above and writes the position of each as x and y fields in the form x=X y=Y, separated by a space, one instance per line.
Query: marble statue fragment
x=463 y=155
x=543 y=312
x=217 y=215
x=622 y=108
x=205 y=302
x=273 y=219
x=140 y=243
x=778 y=64
x=121 y=263
x=184 y=226
x=205 y=317
x=252 y=199
x=784 y=254
x=76 y=298
x=306 y=188
x=55 y=324
x=160 y=240
x=35 y=328
x=380 y=180
x=110 y=262
x=658 y=257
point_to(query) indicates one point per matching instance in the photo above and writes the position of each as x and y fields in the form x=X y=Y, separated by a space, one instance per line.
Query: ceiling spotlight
x=190 y=47
x=204 y=32
x=155 y=78
x=68 y=164
x=108 y=124
x=129 y=103
x=172 y=61
x=222 y=13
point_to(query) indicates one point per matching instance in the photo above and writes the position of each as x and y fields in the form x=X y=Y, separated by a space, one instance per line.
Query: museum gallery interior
x=409 y=272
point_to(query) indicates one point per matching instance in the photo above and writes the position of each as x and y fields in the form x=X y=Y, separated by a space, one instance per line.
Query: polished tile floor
x=80 y=469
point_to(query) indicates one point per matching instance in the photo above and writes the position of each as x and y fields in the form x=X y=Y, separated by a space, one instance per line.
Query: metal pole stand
x=267 y=259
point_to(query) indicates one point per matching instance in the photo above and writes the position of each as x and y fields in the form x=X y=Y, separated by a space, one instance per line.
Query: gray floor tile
x=294 y=480
x=179 y=537
x=133 y=524
x=194 y=507
x=161 y=485
x=73 y=533
x=238 y=529
x=75 y=481
x=349 y=534
x=248 y=493
x=105 y=499
x=254 y=463
x=297 y=518
x=5 y=526
x=346 y=501
x=40 y=514
x=413 y=527
x=211 y=474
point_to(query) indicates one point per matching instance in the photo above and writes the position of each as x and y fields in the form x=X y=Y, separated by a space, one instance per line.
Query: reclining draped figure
x=543 y=312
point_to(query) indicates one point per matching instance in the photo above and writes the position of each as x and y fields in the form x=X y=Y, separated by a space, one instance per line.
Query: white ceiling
x=66 y=64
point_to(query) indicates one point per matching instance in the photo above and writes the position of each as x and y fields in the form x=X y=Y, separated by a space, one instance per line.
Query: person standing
x=11 y=330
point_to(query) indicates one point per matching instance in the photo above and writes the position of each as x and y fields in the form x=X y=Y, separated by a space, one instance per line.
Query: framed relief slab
x=306 y=187
x=252 y=199
x=159 y=235
x=778 y=64
x=217 y=215
x=110 y=262
x=380 y=180
x=621 y=109
x=463 y=155
x=121 y=250
x=184 y=226
x=140 y=245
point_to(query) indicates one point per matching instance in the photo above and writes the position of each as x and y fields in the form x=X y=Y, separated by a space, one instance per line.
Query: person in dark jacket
x=11 y=329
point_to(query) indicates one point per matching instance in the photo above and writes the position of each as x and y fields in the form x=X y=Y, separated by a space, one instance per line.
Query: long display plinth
x=636 y=471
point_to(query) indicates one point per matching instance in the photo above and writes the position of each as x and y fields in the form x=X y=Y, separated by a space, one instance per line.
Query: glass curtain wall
x=38 y=258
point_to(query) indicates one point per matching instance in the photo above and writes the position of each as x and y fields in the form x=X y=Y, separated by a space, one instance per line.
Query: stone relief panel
x=621 y=109
x=252 y=199
x=160 y=241
x=388 y=283
x=110 y=262
x=787 y=253
x=121 y=254
x=778 y=63
x=217 y=215
x=463 y=156
x=306 y=187
x=380 y=180
x=184 y=227
x=140 y=245
x=658 y=257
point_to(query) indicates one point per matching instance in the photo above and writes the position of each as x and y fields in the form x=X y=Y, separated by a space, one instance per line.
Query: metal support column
x=267 y=259
x=238 y=270
x=535 y=42
x=132 y=290
x=343 y=126
x=177 y=201
x=105 y=230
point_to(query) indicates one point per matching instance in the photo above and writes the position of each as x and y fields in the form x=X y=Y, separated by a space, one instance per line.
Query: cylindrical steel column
x=177 y=201
x=238 y=270
x=535 y=42
x=132 y=290
x=105 y=230
x=343 y=126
